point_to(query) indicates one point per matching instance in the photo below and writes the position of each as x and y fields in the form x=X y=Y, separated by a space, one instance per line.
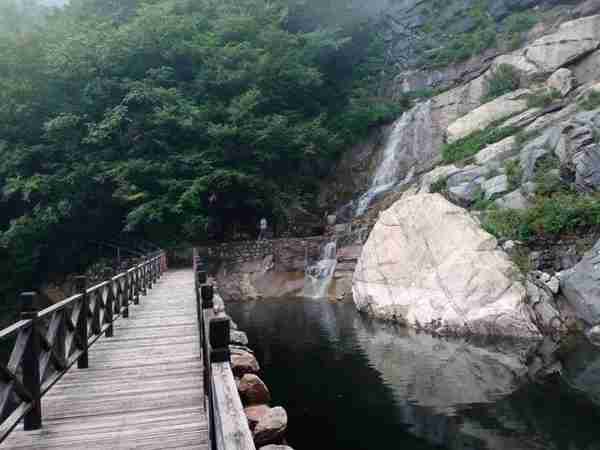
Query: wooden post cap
x=29 y=302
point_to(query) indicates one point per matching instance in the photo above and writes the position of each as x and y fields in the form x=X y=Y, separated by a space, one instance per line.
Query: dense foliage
x=172 y=119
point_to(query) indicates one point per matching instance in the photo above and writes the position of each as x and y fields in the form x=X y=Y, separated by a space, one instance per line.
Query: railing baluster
x=125 y=296
x=110 y=309
x=96 y=325
x=31 y=362
x=82 y=320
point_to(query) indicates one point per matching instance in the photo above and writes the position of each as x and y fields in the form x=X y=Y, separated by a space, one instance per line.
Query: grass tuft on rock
x=505 y=79
x=473 y=143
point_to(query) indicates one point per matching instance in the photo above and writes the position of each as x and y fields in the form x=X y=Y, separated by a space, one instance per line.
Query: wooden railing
x=228 y=426
x=46 y=343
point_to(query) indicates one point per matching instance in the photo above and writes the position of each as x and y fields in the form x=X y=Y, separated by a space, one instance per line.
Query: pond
x=348 y=382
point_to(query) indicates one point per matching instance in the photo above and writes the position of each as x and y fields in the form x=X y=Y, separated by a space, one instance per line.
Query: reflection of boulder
x=582 y=371
x=442 y=374
x=469 y=395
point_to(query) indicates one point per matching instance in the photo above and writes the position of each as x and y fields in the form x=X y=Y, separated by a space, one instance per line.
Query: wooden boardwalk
x=143 y=388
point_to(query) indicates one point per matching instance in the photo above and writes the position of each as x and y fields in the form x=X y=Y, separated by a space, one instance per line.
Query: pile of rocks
x=268 y=424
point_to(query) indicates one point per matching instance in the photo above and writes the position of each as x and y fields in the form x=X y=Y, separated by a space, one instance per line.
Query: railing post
x=149 y=273
x=82 y=321
x=110 y=309
x=135 y=295
x=219 y=339
x=31 y=362
x=207 y=293
x=96 y=325
x=144 y=278
x=124 y=297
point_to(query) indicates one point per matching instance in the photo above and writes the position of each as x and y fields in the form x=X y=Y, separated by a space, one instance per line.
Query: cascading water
x=318 y=277
x=407 y=138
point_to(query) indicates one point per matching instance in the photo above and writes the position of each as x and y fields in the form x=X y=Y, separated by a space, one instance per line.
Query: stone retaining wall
x=288 y=253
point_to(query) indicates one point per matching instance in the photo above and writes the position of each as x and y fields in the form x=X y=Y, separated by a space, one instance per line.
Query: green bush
x=504 y=79
x=506 y=223
x=473 y=143
x=551 y=216
x=520 y=22
x=542 y=99
x=514 y=173
x=591 y=101
x=439 y=185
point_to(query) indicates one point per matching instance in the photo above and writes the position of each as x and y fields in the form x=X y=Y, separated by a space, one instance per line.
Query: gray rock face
x=535 y=151
x=495 y=186
x=467 y=175
x=563 y=81
x=544 y=312
x=581 y=287
x=494 y=155
x=513 y=200
x=271 y=427
x=466 y=193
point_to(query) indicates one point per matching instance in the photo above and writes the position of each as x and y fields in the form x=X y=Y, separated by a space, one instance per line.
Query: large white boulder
x=429 y=264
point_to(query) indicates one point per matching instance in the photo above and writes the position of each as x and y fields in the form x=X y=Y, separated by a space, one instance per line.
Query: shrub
x=591 y=101
x=471 y=144
x=520 y=22
x=506 y=223
x=438 y=185
x=551 y=216
x=514 y=173
x=542 y=99
x=504 y=79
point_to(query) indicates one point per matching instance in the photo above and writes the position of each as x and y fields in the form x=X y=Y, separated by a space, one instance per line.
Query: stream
x=351 y=383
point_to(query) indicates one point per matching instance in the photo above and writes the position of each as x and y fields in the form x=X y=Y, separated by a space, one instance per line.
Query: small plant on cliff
x=514 y=172
x=473 y=143
x=503 y=80
x=591 y=101
x=543 y=98
x=438 y=186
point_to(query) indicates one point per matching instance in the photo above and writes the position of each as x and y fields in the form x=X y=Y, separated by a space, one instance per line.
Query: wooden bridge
x=153 y=370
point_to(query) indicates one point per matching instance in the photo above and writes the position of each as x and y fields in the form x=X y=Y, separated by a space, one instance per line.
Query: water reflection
x=352 y=383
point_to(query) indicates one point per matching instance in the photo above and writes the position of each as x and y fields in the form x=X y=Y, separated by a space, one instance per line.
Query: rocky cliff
x=518 y=149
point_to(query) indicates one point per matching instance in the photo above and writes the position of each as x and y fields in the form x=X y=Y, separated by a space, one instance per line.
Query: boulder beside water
x=429 y=264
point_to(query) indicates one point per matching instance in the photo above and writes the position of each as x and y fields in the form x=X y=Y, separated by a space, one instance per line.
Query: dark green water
x=354 y=384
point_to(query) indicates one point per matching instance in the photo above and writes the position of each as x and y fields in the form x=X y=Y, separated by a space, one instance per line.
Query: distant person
x=263 y=229
x=212 y=199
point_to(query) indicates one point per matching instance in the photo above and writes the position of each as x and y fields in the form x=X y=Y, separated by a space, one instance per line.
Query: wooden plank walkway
x=143 y=388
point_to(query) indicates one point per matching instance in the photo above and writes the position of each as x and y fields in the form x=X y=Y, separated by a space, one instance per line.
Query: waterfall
x=406 y=140
x=318 y=277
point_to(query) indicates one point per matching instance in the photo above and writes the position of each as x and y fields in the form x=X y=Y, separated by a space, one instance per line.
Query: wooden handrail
x=228 y=426
x=48 y=342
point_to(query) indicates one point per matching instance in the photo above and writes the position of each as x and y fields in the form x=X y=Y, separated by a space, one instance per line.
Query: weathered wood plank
x=143 y=388
x=230 y=418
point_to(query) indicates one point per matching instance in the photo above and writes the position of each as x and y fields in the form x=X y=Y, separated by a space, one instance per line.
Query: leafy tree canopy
x=172 y=119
